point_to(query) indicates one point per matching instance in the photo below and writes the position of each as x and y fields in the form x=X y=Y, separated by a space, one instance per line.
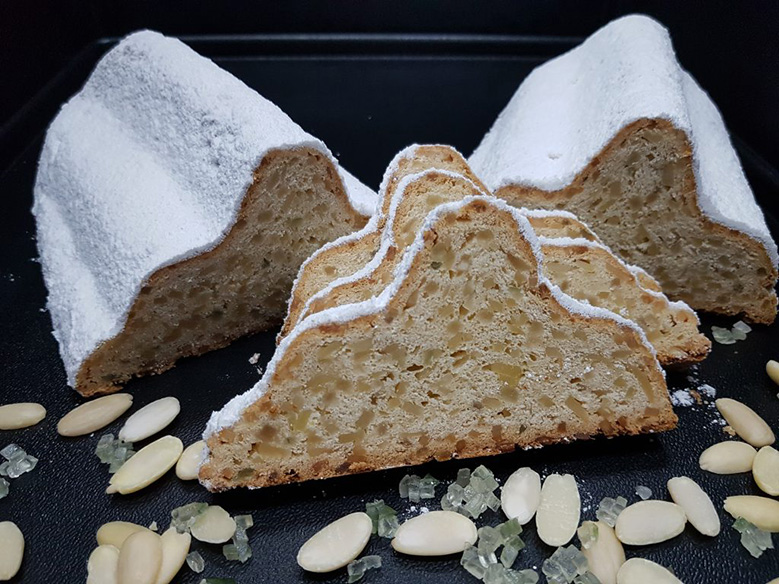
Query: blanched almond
x=761 y=511
x=765 y=470
x=12 y=546
x=116 y=532
x=103 y=565
x=729 y=457
x=150 y=419
x=214 y=525
x=746 y=423
x=641 y=571
x=696 y=504
x=337 y=544
x=648 y=522
x=772 y=368
x=558 y=510
x=21 y=415
x=521 y=494
x=146 y=466
x=140 y=559
x=175 y=547
x=438 y=533
x=94 y=414
x=605 y=555
x=189 y=462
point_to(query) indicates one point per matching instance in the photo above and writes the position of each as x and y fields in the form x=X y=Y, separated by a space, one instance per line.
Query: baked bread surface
x=618 y=133
x=469 y=351
x=174 y=205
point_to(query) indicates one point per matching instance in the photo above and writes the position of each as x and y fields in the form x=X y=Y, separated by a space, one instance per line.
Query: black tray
x=366 y=97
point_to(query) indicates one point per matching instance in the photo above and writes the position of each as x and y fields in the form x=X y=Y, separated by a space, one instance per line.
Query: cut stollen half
x=174 y=206
x=469 y=351
x=618 y=133
x=348 y=254
x=573 y=258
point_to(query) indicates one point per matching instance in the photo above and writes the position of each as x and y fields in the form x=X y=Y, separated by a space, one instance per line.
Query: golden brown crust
x=761 y=309
x=88 y=385
x=325 y=468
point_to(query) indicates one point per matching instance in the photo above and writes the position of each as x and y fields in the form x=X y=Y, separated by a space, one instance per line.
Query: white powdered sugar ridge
x=231 y=412
x=373 y=225
x=147 y=165
x=634 y=270
x=387 y=237
x=568 y=109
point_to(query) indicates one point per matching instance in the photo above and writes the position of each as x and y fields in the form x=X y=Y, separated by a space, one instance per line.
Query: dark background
x=366 y=97
x=731 y=47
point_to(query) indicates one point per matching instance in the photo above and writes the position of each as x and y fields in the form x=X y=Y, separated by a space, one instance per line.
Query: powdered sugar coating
x=570 y=108
x=147 y=165
x=342 y=314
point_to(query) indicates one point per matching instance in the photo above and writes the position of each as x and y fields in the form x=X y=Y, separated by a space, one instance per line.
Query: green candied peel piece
x=722 y=336
x=478 y=559
x=239 y=550
x=472 y=493
x=230 y=552
x=754 y=539
x=474 y=564
x=17 y=461
x=183 y=517
x=527 y=577
x=564 y=565
x=499 y=574
x=643 y=492
x=510 y=551
x=217 y=581
x=427 y=485
x=482 y=480
x=4 y=487
x=415 y=489
x=196 y=562
x=388 y=526
x=113 y=452
x=356 y=569
x=487 y=569
x=609 y=509
x=383 y=517
x=244 y=521
x=490 y=539
x=463 y=477
x=588 y=534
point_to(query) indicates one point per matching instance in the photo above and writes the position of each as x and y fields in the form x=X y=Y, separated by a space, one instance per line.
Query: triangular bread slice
x=346 y=255
x=469 y=351
x=574 y=259
x=174 y=206
x=591 y=273
x=618 y=133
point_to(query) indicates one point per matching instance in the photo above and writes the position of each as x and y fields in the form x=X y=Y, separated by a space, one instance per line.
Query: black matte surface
x=365 y=109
